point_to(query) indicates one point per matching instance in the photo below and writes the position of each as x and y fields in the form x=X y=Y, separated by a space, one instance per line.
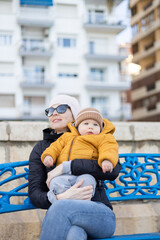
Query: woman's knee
x=77 y=233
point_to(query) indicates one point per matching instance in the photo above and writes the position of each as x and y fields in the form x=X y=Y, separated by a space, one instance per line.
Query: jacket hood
x=108 y=127
x=72 y=128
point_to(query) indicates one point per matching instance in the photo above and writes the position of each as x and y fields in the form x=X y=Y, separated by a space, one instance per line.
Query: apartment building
x=65 y=47
x=145 y=23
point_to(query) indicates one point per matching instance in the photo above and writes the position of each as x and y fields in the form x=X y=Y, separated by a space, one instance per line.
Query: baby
x=90 y=137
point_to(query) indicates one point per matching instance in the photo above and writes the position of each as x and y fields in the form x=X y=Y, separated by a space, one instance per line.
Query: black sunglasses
x=60 y=109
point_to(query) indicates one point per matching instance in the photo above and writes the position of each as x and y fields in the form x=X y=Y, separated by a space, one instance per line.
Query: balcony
x=147 y=72
x=145 y=112
x=102 y=23
x=149 y=50
x=95 y=2
x=33 y=113
x=104 y=57
x=34 y=79
x=110 y=86
x=141 y=14
x=143 y=92
x=36 y=85
x=35 y=17
x=96 y=77
x=35 y=48
x=150 y=29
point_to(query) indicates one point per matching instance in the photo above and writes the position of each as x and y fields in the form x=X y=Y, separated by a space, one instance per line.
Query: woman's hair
x=72 y=102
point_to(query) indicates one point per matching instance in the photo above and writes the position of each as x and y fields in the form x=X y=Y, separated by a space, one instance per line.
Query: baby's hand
x=48 y=161
x=107 y=166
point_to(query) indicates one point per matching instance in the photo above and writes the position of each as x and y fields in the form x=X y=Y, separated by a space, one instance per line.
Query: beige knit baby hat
x=89 y=113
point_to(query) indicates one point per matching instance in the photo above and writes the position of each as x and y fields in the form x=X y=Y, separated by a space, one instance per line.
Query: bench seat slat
x=141 y=236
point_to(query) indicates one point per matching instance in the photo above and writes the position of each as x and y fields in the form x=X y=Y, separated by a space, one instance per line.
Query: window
x=5 y=74
x=99 y=16
x=135 y=48
x=149 y=45
x=5 y=39
x=68 y=71
x=151 y=86
x=33 y=106
x=147 y=21
x=67 y=42
x=67 y=75
x=101 y=103
x=96 y=74
x=91 y=47
x=7 y=101
x=89 y=16
x=150 y=102
x=149 y=66
x=134 y=29
x=96 y=16
x=134 y=11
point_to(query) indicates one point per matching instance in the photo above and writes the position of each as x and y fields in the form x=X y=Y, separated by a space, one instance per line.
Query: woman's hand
x=54 y=173
x=77 y=193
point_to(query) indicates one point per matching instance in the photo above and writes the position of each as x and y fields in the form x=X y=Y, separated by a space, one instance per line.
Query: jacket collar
x=49 y=134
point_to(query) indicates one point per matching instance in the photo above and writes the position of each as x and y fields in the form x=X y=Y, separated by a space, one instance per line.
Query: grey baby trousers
x=63 y=182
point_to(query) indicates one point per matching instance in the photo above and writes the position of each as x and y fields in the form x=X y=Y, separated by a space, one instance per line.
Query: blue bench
x=139 y=179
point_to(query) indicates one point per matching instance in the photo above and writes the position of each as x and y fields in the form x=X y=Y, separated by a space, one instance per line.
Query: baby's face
x=88 y=127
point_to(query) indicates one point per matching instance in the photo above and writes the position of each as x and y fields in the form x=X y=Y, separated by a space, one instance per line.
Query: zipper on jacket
x=71 y=148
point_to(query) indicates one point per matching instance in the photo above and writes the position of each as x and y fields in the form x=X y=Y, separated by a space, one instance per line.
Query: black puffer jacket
x=38 y=173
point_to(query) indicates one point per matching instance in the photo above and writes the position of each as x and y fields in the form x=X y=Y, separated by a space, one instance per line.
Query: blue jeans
x=78 y=219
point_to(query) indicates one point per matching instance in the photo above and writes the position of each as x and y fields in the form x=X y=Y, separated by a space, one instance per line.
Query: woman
x=70 y=217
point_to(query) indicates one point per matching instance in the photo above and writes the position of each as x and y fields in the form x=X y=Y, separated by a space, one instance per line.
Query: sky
x=123 y=12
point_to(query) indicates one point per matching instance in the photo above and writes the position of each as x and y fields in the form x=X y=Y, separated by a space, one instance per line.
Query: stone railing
x=16 y=142
x=18 y=138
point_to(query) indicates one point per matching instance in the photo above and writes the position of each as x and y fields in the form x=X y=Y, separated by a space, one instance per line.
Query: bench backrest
x=139 y=179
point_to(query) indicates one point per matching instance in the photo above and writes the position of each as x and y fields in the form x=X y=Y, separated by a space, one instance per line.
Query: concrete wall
x=18 y=138
x=16 y=142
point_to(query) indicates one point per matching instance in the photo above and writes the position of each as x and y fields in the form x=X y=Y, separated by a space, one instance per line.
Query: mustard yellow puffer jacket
x=72 y=146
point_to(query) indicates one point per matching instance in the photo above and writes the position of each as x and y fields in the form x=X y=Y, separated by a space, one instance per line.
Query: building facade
x=68 y=47
x=145 y=23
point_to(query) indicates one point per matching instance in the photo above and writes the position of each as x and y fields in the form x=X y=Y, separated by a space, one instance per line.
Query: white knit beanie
x=66 y=99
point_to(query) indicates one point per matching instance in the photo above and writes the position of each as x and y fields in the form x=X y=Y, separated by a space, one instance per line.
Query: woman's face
x=58 y=121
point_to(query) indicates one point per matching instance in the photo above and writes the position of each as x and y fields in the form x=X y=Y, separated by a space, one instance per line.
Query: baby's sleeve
x=54 y=149
x=108 y=149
